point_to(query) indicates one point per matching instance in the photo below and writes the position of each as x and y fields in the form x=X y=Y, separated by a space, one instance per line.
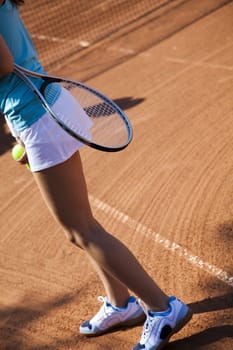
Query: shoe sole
x=178 y=327
x=119 y=326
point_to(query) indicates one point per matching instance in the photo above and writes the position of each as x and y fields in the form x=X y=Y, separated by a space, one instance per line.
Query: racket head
x=109 y=129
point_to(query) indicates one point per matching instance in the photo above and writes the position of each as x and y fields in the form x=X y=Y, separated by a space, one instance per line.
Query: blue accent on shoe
x=139 y=347
x=87 y=324
x=165 y=331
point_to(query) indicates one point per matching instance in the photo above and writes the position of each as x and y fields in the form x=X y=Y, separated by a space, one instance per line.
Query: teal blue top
x=17 y=102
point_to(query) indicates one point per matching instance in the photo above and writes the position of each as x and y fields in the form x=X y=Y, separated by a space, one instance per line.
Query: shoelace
x=105 y=310
x=147 y=325
x=146 y=329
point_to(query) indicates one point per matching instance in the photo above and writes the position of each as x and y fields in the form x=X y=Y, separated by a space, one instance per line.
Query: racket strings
x=50 y=92
x=100 y=110
x=107 y=126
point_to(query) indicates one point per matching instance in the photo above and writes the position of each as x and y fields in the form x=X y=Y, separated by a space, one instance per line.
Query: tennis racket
x=110 y=129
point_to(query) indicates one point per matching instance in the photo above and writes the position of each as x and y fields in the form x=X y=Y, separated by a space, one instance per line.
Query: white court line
x=54 y=39
x=129 y=51
x=48 y=38
x=166 y=243
x=199 y=63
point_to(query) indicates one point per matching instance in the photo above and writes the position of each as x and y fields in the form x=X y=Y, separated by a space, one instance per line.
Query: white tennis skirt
x=46 y=143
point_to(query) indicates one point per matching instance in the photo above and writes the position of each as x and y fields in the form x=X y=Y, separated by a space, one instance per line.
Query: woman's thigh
x=64 y=190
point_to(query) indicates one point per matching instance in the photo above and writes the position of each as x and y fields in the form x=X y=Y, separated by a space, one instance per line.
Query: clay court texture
x=168 y=196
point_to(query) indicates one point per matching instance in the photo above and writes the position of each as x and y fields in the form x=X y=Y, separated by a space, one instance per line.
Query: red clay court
x=168 y=196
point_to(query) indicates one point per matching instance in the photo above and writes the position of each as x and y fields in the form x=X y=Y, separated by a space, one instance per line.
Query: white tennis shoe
x=160 y=326
x=109 y=317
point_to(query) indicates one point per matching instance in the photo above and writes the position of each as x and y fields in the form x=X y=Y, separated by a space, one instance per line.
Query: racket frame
x=23 y=74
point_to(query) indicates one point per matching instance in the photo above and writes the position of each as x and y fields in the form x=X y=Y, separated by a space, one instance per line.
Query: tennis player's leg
x=64 y=190
x=117 y=293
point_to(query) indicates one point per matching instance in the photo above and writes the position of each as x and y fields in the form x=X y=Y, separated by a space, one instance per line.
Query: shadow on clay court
x=225 y=230
x=213 y=304
x=198 y=340
x=128 y=102
x=14 y=320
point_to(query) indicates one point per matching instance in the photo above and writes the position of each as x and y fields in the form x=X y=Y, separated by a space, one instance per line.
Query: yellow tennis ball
x=17 y=152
